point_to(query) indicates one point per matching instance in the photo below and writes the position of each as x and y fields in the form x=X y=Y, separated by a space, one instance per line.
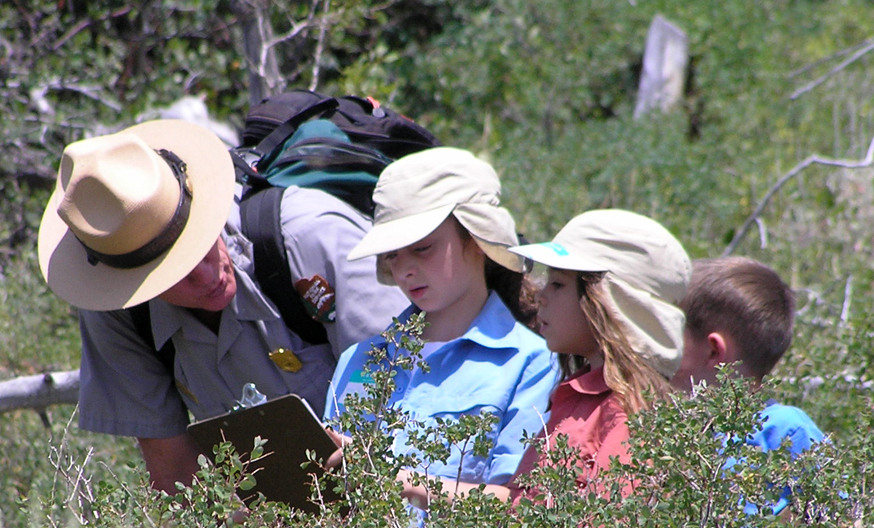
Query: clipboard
x=291 y=428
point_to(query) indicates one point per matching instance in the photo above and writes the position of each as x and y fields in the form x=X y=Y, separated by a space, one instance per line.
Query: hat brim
x=210 y=171
x=396 y=234
x=554 y=256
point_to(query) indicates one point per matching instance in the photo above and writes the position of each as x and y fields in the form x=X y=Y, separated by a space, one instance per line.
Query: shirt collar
x=491 y=328
x=492 y=325
x=591 y=382
x=165 y=321
x=247 y=305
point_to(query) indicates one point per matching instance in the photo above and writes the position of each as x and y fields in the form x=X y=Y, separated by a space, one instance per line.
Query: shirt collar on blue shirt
x=489 y=329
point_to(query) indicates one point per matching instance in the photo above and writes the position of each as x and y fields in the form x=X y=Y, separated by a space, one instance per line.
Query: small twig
x=839 y=53
x=816 y=82
x=763 y=233
x=320 y=46
x=76 y=28
x=848 y=295
x=296 y=29
x=91 y=93
x=810 y=160
x=80 y=477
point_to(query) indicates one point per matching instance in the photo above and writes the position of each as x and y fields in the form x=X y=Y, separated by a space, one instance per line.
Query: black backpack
x=346 y=165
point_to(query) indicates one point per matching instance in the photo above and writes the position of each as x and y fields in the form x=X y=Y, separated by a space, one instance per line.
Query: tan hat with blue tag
x=646 y=272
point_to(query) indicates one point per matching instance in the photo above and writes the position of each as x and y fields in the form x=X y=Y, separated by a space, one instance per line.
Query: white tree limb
x=840 y=53
x=796 y=170
x=40 y=391
x=848 y=296
x=320 y=46
x=261 y=63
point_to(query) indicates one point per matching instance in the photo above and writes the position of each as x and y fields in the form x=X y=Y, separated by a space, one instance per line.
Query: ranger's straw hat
x=416 y=193
x=646 y=273
x=134 y=212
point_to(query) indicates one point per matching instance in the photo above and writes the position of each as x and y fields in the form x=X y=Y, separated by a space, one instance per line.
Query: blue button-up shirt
x=498 y=366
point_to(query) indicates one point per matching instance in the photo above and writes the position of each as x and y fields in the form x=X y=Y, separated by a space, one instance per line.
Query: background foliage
x=545 y=89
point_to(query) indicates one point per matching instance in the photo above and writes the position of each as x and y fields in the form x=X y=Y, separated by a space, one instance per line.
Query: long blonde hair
x=626 y=371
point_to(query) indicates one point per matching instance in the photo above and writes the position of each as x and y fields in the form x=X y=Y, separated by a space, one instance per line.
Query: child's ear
x=718 y=349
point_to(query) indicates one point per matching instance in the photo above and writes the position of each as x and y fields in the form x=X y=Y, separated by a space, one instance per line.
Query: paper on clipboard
x=291 y=428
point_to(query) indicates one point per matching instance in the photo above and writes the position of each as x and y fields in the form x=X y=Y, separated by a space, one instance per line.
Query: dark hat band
x=166 y=238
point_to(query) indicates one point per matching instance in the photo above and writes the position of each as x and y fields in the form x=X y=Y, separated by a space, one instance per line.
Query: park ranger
x=150 y=214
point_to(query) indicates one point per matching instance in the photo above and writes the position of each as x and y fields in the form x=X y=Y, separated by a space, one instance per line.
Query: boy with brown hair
x=740 y=312
x=737 y=310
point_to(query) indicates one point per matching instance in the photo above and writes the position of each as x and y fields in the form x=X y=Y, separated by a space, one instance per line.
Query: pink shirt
x=584 y=409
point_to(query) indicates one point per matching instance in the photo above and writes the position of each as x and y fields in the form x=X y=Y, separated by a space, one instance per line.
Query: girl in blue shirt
x=440 y=235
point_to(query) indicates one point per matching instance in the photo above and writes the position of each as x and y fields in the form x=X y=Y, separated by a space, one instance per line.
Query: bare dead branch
x=763 y=233
x=82 y=24
x=848 y=295
x=850 y=381
x=796 y=170
x=40 y=391
x=296 y=29
x=94 y=93
x=261 y=64
x=320 y=46
x=816 y=82
x=814 y=64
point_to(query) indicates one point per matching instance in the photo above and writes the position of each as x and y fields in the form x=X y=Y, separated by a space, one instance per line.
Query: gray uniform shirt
x=125 y=389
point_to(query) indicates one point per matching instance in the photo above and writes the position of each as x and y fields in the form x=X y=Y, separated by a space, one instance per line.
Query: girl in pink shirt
x=609 y=310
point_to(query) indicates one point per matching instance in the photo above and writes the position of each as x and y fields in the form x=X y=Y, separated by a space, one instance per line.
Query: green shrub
x=543 y=89
x=680 y=451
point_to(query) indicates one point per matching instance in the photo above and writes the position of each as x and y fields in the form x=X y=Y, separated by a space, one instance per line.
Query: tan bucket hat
x=416 y=193
x=647 y=272
x=134 y=212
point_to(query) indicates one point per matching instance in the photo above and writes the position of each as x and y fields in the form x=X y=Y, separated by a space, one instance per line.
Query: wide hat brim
x=210 y=170
x=555 y=256
x=402 y=232
x=646 y=275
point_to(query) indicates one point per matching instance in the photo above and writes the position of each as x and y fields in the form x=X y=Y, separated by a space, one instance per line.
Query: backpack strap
x=286 y=129
x=142 y=319
x=260 y=219
x=259 y=214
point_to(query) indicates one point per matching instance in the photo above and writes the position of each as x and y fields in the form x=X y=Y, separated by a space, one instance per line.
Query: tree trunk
x=264 y=77
x=665 y=59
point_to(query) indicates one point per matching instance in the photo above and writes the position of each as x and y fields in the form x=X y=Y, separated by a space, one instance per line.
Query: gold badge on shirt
x=286 y=360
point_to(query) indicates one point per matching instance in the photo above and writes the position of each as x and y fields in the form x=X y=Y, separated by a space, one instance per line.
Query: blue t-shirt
x=779 y=422
x=498 y=366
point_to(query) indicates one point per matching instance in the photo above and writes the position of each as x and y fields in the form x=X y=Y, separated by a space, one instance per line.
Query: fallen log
x=40 y=391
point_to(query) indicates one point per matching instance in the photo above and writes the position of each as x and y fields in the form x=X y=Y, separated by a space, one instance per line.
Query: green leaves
x=545 y=90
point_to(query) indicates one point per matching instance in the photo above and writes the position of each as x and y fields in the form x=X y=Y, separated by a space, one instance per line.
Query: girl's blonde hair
x=626 y=371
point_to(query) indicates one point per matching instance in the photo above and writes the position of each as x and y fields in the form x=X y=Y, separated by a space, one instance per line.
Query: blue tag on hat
x=557 y=248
